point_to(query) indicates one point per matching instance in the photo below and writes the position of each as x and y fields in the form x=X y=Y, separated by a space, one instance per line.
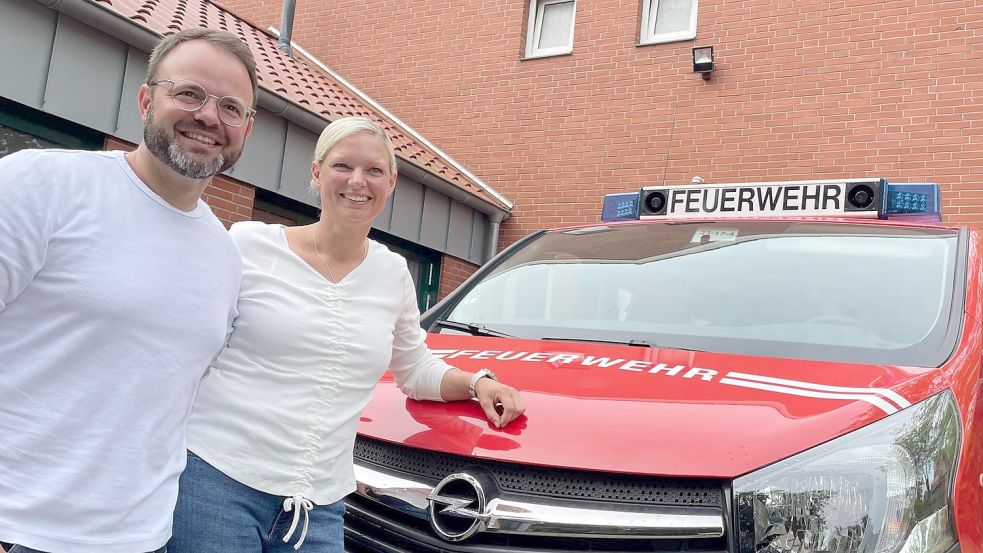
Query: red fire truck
x=772 y=367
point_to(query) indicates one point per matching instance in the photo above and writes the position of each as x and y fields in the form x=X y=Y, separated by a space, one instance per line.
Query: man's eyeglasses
x=191 y=96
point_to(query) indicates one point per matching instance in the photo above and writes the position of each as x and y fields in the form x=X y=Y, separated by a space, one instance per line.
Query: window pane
x=556 y=25
x=12 y=140
x=673 y=16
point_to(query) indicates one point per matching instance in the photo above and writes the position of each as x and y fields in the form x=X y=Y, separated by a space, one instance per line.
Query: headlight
x=884 y=488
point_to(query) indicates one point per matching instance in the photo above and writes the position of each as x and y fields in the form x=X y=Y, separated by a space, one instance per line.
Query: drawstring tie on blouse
x=297 y=504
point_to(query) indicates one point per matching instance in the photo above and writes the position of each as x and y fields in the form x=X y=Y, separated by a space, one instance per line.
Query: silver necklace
x=365 y=252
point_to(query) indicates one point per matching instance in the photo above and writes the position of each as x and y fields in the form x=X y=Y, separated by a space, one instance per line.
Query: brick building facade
x=801 y=90
x=442 y=218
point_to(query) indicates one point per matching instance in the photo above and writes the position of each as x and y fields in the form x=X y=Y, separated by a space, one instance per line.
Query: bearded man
x=118 y=285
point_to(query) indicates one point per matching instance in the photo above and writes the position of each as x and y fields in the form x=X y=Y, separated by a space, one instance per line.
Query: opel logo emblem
x=457 y=507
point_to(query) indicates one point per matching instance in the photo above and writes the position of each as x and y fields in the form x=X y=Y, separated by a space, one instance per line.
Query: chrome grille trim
x=545 y=517
x=531 y=480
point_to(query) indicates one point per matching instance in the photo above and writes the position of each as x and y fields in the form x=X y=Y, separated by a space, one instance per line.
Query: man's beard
x=170 y=153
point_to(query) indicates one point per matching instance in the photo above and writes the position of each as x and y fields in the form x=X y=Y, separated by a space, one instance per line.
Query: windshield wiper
x=632 y=342
x=473 y=329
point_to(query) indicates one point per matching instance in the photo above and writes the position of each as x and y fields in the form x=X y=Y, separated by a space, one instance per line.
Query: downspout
x=286 y=26
x=491 y=243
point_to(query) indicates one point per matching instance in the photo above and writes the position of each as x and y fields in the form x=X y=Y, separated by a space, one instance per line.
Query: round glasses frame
x=196 y=102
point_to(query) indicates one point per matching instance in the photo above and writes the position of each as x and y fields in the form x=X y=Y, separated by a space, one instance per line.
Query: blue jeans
x=216 y=514
x=14 y=548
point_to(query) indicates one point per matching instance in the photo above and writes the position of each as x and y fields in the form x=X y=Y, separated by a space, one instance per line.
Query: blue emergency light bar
x=869 y=198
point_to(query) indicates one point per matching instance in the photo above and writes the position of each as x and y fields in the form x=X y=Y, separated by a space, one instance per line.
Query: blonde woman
x=323 y=313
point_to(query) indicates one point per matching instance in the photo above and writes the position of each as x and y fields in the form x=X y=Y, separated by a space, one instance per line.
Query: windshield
x=846 y=292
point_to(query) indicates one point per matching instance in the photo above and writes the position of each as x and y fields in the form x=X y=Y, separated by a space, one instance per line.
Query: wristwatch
x=483 y=373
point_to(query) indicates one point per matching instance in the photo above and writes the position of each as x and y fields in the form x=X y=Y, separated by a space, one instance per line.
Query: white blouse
x=278 y=409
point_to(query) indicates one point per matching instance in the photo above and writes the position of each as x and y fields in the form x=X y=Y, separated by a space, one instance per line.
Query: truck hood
x=644 y=411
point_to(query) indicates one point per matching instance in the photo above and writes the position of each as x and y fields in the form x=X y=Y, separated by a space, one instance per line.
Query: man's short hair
x=221 y=39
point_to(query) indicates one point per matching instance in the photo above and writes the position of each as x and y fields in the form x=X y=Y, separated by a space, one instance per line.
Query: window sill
x=666 y=40
x=546 y=55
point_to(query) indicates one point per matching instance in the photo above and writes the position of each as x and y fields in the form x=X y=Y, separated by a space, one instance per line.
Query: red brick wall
x=230 y=200
x=806 y=89
x=453 y=272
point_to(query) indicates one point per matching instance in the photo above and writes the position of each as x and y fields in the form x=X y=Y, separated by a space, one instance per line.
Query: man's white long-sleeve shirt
x=278 y=409
x=112 y=305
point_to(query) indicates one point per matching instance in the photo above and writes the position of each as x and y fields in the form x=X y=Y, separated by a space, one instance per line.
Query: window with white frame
x=668 y=20
x=550 y=28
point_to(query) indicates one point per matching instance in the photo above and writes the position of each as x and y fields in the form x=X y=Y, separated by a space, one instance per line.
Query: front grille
x=371 y=526
x=544 y=482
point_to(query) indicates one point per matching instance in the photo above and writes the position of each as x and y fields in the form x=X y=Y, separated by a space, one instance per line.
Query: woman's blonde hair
x=342 y=128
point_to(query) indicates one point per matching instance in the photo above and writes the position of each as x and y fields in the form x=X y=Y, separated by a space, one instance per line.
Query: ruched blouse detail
x=279 y=407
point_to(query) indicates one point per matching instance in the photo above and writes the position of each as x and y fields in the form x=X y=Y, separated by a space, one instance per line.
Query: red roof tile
x=290 y=78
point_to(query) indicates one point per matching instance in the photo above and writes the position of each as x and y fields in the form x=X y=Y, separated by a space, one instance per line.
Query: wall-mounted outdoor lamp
x=703 y=60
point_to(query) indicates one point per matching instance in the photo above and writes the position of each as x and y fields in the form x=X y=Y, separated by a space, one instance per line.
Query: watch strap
x=483 y=373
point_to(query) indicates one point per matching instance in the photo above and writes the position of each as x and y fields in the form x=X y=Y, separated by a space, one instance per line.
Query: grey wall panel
x=27 y=31
x=479 y=233
x=262 y=159
x=436 y=214
x=407 y=210
x=129 y=126
x=384 y=221
x=86 y=75
x=459 y=231
x=295 y=178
